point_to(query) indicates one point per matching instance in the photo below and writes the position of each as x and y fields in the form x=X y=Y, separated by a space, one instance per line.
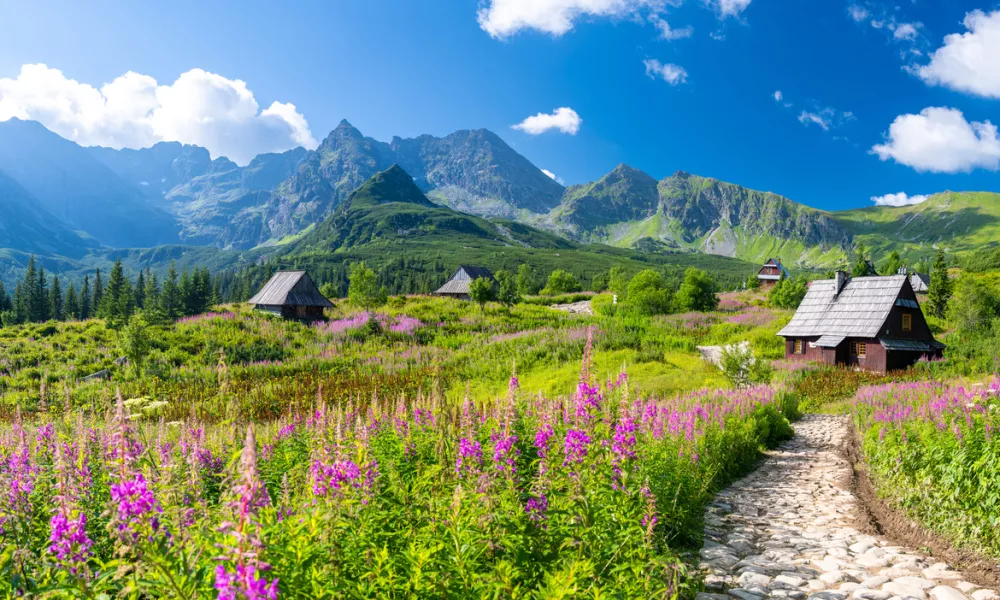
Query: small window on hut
x=798 y=347
x=859 y=349
x=907 y=322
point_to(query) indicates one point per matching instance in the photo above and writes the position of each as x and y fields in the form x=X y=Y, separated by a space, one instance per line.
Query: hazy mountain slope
x=478 y=173
x=27 y=227
x=158 y=169
x=74 y=186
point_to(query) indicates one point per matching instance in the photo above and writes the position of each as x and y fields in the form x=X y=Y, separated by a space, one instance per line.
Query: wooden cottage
x=458 y=285
x=872 y=323
x=292 y=295
x=772 y=272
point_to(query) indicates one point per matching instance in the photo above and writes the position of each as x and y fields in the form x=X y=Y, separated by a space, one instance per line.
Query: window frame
x=906 y=322
x=798 y=347
x=859 y=349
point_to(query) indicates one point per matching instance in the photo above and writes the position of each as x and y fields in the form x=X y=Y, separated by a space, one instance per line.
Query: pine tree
x=72 y=302
x=939 y=291
x=20 y=303
x=170 y=296
x=56 y=300
x=95 y=302
x=39 y=298
x=6 y=303
x=140 y=290
x=152 y=292
x=84 y=311
x=118 y=302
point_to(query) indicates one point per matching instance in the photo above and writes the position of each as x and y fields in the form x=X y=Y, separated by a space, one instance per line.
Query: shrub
x=742 y=368
x=648 y=294
x=697 y=292
x=561 y=282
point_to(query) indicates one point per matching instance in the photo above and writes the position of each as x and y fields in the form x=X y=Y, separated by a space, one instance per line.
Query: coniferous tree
x=84 y=310
x=939 y=291
x=72 y=302
x=6 y=303
x=20 y=301
x=56 y=300
x=151 y=293
x=186 y=288
x=39 y=298
x=118 y=302
x=140 y=291
x=170 y=296
x=95 y=302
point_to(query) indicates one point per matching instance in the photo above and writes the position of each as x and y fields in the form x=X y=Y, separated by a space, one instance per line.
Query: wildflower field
x=933 y=449
x=586 y=494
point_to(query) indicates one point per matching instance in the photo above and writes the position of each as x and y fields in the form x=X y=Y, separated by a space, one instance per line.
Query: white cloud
x=669 y=33
x=134 y=111
x=778 y=96
x=563 y=119
x=504 y=18
x=900 y=199
x=858 y=13
x=672 y=74
x=906 y=31
x=942 y=141
x=968 y=62
x=821 y=118
x=730 y=8
x=554 y=177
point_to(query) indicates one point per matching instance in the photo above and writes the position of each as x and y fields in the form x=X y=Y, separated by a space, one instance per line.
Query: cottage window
x=907 y=322
x=798 y=347
x=859 y=349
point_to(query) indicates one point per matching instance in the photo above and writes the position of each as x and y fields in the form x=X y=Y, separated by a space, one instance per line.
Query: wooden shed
x=872 y=323
x=292 y=295
x=458 y=285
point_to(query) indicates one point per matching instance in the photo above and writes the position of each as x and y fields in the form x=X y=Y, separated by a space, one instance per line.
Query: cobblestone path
x=786 y=531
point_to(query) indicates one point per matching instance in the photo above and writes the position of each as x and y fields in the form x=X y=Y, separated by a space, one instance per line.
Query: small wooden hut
x=458 y=285
x=771 y=273
x=872 y=323
x=291 y=295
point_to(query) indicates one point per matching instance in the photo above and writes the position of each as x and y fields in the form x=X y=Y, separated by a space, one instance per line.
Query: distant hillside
x=686 y=212
x=958 y=222
x=69 y=183
x=26 y=226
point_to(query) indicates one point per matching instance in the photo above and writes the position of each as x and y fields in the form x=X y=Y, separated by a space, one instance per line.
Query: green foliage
x=697 y=292
x=893 y=263
x=859 y=261
x=527 y=280
x=973 y=306
x=648 y=294
x=507 y=288
x=481 y=291
x=742 y=368
x=561 y=282
x=939 y=291
x=136 y=343
x=787 y=293
x=365 y=291
x=618 y=282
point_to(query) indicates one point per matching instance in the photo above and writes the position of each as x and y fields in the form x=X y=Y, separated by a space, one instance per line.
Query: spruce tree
x=140 y=291
x=6 y=303
x=72 y=302
x=20 y=303
x=939 y=290
x=95 y=302
x=56 y=300
x=151 y=294
x=40 y=307
x=170 y=296
x=84 y=310
x=118 y=302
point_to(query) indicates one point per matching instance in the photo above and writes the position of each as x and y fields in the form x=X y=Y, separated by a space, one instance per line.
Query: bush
x=697 y=292
x=648 y=294
x=742 y=368
x=787 y=293
x=561 y=282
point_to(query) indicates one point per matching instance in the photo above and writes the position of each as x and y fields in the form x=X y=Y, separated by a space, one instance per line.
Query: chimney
x=841 y=281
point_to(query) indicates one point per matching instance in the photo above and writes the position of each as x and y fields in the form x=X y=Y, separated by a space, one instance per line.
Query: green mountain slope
x=628 y=208
x=958 y=222
x=388 y=220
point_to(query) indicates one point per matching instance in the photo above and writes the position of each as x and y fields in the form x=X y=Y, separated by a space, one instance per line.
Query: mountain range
x=64 y=200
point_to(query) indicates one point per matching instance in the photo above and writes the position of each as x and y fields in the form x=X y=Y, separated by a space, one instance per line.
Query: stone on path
x=787 y=531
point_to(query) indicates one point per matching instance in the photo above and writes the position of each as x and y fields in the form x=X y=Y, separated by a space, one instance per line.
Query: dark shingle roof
x=459 y=282
x=290 y=288
x=858 y=311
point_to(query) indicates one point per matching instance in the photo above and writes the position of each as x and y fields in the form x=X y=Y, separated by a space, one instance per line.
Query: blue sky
x=846 y=72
